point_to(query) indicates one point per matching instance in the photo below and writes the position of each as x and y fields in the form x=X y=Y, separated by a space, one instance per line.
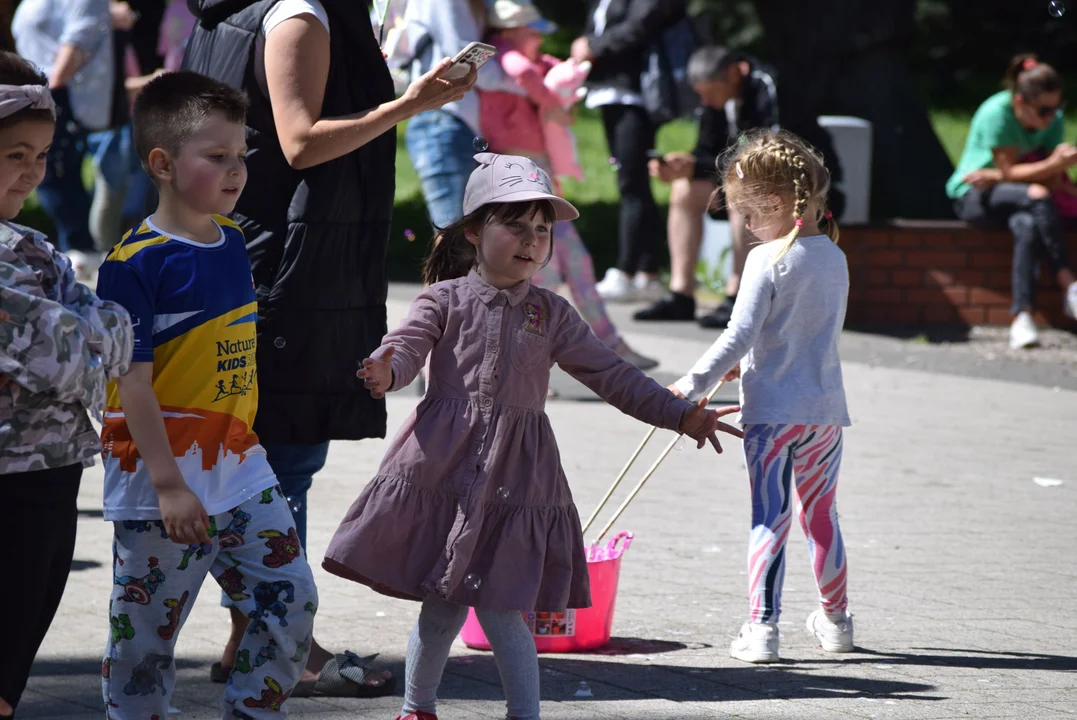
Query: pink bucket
x=572 y=630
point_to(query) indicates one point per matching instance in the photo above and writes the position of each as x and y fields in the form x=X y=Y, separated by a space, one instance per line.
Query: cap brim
x=544 y=26
x=563 y=209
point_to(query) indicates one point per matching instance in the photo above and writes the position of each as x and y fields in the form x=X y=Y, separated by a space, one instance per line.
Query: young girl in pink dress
x=513 y=124
x=471 y=507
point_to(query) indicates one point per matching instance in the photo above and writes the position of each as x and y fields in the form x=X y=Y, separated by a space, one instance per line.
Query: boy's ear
x=160 y=165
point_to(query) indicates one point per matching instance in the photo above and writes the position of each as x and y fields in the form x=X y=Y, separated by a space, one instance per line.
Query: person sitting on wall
x=1012 y=172
x=737 y=94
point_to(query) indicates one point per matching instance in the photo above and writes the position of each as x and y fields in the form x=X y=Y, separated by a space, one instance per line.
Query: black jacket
x=758 y=108
x=632 y=27
x=317 y=238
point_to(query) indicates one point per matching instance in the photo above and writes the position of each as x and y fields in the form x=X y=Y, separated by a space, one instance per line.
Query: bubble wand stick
x=639 y=486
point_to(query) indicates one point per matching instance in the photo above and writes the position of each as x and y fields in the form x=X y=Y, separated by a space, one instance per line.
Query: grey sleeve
x=749 y=314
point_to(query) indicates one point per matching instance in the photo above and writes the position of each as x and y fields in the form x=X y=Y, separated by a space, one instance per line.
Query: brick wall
x=931 y=273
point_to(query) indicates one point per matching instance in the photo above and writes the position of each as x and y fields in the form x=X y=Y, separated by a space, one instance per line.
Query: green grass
x=596 y=197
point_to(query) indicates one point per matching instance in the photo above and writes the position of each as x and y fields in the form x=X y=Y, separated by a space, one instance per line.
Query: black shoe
x=672 y=307
x=721 y=316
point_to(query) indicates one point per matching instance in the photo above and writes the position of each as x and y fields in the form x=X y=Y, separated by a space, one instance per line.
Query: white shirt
x=41 y=27
x=287 y=9
x=599 y=96
x=784 y=332
x=450 y=27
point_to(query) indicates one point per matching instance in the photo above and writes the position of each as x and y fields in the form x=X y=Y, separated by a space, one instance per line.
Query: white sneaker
x=648 y=289
x=834 y=634
x=616 y=286
x=1069 y=304
x=641 y=361
x=1023 y=332
x=757 y=643
x=85 y=264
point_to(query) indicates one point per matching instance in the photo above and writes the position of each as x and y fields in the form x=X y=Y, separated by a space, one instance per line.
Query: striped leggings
x=780 y=458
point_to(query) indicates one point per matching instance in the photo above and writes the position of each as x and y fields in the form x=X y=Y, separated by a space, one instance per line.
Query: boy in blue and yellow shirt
x=187 y=485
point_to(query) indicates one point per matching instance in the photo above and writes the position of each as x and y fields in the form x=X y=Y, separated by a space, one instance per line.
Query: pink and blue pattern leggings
x=572 y=265
x=781 y=458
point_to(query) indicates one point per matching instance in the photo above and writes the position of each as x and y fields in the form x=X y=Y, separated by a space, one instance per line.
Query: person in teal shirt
x=1013 y=160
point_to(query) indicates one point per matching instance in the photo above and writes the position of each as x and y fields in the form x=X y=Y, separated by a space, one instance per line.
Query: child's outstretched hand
x=378 y=374
x=702 y=425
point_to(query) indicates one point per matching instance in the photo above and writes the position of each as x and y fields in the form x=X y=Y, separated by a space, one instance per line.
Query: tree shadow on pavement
x=959 y=658
x=565 y=678
x=590 y=677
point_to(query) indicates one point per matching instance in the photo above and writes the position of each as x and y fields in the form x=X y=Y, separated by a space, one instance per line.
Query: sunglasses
x=1048 y=110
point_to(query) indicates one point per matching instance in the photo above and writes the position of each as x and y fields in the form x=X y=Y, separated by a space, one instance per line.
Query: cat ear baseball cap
x=510 y=178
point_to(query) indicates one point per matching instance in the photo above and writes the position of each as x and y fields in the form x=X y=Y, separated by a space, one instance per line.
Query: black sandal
x=345 y=676
x=218 y=673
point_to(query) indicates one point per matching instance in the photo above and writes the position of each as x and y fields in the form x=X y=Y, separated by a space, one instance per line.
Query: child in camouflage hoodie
x=58 y=345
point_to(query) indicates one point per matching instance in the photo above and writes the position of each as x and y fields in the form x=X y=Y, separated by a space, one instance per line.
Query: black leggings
x=39 y=511
x=1037 y=232
x=630 y=134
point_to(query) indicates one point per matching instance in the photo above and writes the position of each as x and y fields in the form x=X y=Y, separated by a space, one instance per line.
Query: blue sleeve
x=123 y=284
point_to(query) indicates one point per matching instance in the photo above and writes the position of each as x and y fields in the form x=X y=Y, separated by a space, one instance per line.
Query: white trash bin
x=852 y=143
x=716 y=250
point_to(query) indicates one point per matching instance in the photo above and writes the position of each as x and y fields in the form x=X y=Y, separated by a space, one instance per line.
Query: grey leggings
x=428 y=651
x=1037 y=232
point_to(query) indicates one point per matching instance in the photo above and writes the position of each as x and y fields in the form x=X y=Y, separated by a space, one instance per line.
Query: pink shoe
x=417 y=716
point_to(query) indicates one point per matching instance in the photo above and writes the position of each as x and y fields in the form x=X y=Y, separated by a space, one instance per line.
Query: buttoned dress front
x=470 y=503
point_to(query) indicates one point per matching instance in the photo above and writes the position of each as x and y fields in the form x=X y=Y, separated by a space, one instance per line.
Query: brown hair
x=171 y=107
x=452 y=255
x=16 y=71
x=1028 y=77
x=766 y=163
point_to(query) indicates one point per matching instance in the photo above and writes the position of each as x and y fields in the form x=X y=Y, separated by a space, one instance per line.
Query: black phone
x=655 y=155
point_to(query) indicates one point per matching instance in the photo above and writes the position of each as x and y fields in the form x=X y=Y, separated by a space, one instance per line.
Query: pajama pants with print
x=256 y=558
x=571 y=264
x=787 y=461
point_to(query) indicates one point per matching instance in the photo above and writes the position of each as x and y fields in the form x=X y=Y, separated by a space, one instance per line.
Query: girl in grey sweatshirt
x=783 y=343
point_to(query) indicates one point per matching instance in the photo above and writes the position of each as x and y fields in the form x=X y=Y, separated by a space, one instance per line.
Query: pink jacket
x=514 y=122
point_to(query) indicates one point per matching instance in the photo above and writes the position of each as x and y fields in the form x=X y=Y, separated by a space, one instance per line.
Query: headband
x=14 y=98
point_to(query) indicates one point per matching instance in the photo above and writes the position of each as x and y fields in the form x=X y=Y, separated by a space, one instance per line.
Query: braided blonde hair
x=767 y=164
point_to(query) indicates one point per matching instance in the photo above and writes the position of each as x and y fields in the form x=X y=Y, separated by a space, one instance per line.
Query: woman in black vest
x=316 y=214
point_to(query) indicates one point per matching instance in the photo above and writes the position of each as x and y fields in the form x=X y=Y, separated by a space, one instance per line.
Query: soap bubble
x=480 y=144
x=503 y=493
x=1056 y=8
x=473 y=581
x=409 y=235
x=614 y=165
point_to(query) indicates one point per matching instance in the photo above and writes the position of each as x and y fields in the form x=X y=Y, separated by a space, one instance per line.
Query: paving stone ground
x=961 y=573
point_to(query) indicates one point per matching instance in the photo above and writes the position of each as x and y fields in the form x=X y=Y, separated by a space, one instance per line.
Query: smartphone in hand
x=476 y=53
x=655 y=155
